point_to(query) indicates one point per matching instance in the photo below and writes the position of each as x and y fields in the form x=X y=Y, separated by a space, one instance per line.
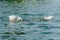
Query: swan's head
x=48 y=17
x=13 y=18
x=19 y=19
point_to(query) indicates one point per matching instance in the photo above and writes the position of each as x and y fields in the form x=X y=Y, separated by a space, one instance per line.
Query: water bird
x=48 y=18
x=14 y=18
x=45 y=18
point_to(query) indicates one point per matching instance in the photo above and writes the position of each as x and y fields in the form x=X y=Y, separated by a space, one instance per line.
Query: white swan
x=14 y=18
x=48 y=18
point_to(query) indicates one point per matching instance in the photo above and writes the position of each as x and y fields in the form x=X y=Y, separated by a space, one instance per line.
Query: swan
x=14 y=18
x=48 y=18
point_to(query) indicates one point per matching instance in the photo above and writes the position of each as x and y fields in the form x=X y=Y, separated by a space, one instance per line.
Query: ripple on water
x=26 y=14
x=12 y=39
x=5 y=36
x=20 y=33
x=50 y=39
x=7 y=33
x=30 y=24
x=46 y=33
x=44 y=26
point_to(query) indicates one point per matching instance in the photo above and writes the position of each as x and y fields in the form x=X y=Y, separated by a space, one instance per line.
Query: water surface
x=32 y=29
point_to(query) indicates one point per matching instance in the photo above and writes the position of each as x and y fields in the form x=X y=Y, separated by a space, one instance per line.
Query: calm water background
x=32 y=29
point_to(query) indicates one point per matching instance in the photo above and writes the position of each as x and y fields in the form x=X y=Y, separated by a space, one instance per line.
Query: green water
x=32 y=29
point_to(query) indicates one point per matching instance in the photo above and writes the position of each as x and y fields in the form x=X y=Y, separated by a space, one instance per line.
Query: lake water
x=32 y=29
